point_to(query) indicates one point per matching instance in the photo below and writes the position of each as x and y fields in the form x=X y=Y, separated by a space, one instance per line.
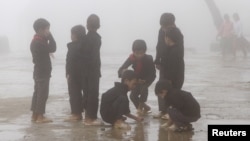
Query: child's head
x=162 y=87
x=93 y=22
x=77 y=32
x=41 y=27
x=167 y=19
x=129 y=78
x=139 y=48
x=172 y=36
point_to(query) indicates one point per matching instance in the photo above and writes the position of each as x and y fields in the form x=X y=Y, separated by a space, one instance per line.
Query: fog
x=122 y=21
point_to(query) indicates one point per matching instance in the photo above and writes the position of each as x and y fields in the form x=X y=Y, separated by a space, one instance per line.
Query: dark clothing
x=40 y=49
x=73 y=70
x=184 y=103
x=90 y=54
x=139 y=95
x=160 y=46
x=171 y=60
x=115 y=103
x=90 y=85
x=173 y=66
x=73 y=61
x=145 y=70
x=91 y=72
x=40 y=95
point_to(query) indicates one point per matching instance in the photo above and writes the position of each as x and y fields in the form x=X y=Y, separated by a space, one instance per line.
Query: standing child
x=167 y=21
x=143 y=66
x=91 y=70
x=73 y=73
x=115 y=103
x=41 y=46
x=181 y=106
x=173 y=61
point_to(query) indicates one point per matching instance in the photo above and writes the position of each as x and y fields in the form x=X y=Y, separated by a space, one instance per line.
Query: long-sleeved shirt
x=40 y=49
x=144 y=68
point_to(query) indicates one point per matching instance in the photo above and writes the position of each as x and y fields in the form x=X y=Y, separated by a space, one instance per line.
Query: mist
x=122 y=22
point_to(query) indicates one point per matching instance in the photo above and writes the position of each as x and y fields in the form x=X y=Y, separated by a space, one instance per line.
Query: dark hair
x=174 y=34
x=167 y=19
x=162 y=85
x=93 y=22
x=129 y=75
x=40 y=24
x=79 y=31
x=139 y=45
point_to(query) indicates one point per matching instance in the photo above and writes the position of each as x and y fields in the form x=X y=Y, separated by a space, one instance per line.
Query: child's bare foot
x=166 y=117
x=74 y=117
x=119 y=124
x=173 y=127
x=34 y=117
x=159 y=115
x=147 y=109
x=42 y=119
x=93 y=122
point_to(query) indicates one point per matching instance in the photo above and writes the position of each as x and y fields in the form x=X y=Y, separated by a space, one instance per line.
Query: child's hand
x=158 y=67
x=141 y=81
x=139 y=119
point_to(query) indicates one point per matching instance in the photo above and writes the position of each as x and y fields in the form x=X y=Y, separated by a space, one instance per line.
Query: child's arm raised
x=52 y=43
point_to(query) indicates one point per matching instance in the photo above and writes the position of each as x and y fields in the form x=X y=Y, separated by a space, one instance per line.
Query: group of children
x=83 y=73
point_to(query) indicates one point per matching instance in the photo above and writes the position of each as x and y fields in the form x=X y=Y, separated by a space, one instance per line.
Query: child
x=181 y=106
x=143 y=66
x=167 y=21
x=41 y=46
x=173 y=61
x=73 y=73
x=115 y=103
x=91 y=70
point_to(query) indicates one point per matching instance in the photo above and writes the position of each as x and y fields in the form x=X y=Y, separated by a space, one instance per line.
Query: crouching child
x=181 y=106
x=115 y=102
x=144 y=68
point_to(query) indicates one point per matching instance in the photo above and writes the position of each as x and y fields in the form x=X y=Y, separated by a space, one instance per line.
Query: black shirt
x=118 y=91
x=183 y=101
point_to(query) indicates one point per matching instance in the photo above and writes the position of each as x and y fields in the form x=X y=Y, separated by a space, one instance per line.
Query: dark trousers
x=114 y=112
x=40 y=95
x=75 y=94
x=179 y=118
x=139 y=95
x=177 y=84
x=90 y=85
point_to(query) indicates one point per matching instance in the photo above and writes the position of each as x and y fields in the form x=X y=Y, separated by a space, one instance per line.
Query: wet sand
x=221 y=86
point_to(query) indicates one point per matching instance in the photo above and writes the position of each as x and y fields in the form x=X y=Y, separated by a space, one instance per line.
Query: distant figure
x=163 y=53
x=115 y=102
x=143 y=66
x=91 y=70
x=239 y=41
x=181 y=106
x=226 y=34
x=41 y=46
x=73 y=73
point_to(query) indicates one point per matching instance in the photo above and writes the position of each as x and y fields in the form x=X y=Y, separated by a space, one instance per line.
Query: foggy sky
x=122 y=21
